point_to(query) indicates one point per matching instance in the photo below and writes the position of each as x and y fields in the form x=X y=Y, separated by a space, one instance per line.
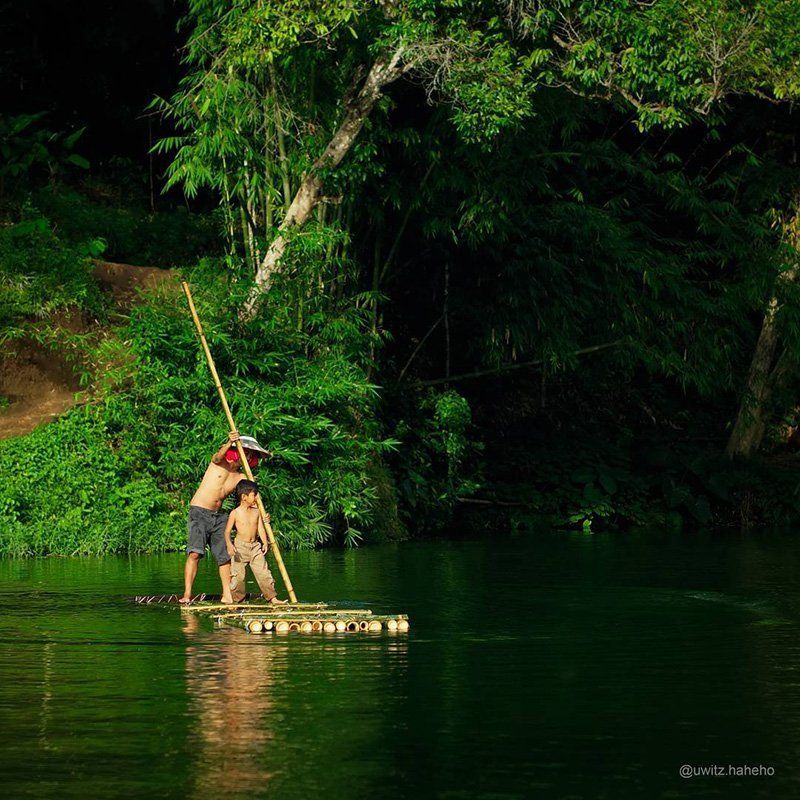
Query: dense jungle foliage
x=464 y=266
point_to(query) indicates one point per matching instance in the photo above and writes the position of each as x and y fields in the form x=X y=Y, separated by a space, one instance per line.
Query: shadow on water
x=549 y=666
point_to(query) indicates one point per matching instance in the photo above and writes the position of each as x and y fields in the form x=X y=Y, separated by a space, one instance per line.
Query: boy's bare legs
x=189 y=574
x=225 y=577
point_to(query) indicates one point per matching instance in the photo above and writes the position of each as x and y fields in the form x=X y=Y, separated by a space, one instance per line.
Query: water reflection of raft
x=255 y=617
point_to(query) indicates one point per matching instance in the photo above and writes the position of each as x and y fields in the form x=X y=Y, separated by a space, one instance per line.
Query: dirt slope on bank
x=39 y=384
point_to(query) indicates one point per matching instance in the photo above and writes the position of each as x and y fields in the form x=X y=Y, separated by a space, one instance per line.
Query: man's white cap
x=249 y=443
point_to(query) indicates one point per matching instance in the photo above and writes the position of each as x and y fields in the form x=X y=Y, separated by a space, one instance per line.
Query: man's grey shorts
x=207 y=529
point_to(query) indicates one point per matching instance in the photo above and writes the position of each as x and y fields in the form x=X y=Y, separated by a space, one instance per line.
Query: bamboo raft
x=255 y=617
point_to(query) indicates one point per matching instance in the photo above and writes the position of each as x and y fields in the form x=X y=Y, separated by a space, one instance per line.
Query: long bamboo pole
x=242 y=458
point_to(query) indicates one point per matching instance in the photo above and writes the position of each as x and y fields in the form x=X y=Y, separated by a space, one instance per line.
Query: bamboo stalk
x=302 y=614
x=322 y=618
x=208 y=601
x=508 y=367
x=170 y=599
x=247 y=471
x=260 y=607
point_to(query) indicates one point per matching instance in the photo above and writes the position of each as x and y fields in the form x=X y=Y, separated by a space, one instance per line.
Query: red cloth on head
x=232 y=457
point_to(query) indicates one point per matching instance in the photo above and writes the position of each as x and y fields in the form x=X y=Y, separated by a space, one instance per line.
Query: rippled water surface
x=549 y=666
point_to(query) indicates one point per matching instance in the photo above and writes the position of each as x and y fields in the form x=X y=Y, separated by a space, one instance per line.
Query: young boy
x=206 y=521
x=251 y=545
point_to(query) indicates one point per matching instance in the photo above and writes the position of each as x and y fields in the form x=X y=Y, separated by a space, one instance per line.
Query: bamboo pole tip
x=391 y=624
x=375 y=625
x=363 y=625
x=330 y=627
x=306 y=627
x=316 y=626
x=282 y=627
x=340 y=625
x=268 y=625
x=294 y=626
x=255 y=626
x=351 y=625
x=402 y=625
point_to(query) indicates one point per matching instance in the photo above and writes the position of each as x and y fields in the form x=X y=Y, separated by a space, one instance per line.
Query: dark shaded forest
x=466 y=266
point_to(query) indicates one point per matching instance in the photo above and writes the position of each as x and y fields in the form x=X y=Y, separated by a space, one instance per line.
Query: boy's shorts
x=207 y=529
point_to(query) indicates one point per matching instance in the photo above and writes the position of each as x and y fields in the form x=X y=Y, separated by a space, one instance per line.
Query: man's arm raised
x=219 y=456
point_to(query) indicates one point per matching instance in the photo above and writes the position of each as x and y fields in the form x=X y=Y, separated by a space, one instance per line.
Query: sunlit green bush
x=132 y=234
x=40 y=274
x=116 y=474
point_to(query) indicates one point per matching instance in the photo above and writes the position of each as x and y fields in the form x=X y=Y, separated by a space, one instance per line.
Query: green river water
x=551 y=666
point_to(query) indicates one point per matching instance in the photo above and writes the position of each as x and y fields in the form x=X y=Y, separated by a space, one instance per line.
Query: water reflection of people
x=248 y=711
x=229 y=677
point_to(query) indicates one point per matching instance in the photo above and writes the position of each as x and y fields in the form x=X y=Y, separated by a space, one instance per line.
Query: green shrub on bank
x=66 y=492
x=40 y=274
x=117 y=474
x=436 y=466
x=302 y=391
x=132 y=234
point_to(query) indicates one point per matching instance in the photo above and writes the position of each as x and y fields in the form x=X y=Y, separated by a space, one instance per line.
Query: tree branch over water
x=482 y=373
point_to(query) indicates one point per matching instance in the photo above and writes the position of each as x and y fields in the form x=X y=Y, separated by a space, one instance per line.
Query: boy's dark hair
x=245 y=487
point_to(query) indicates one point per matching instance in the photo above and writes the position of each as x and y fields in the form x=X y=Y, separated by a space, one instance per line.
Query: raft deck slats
x=373 y=617
x=200 y=600
x=309 y=613
x=210 y=608
x=210 y=601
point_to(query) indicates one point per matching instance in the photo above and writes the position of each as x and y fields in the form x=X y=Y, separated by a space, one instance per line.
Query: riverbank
x=105 y=352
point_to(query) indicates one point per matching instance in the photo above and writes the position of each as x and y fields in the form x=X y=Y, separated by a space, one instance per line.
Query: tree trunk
x=384 y=71
x=765 y=374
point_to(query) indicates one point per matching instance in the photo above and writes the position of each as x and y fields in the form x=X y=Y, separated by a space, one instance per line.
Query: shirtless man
x=206 y=521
